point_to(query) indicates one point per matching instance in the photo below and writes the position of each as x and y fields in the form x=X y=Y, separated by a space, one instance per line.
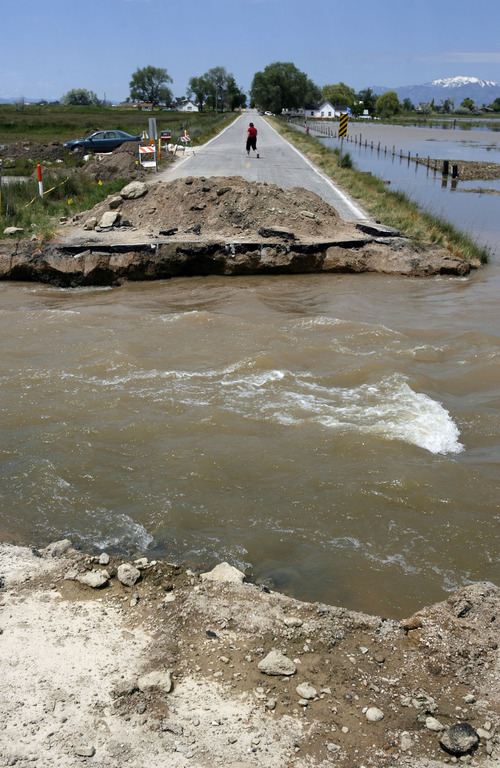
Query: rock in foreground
x=205 y=678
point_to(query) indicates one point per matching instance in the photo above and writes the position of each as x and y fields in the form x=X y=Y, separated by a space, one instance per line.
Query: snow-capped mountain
x=458 y=82
x=453 y=88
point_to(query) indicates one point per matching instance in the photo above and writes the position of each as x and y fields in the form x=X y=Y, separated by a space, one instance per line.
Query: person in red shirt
x=252 y=139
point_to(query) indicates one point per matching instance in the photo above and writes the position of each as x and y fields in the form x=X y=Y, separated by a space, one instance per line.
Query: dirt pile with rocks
x=144 y=662
x=229 y=208
x=122 y=163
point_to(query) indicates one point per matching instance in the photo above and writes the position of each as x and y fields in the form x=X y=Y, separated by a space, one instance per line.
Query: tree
x=367 y=99
x=149 y=84
x=218 y=89
x=198 y=90
x=387 y=105
x=495 y=106
x=235 y=97
x=217 y=82
x=282 y=86
x=80 y=97
x=339 y=95
x=468 y=104
x=408 y=105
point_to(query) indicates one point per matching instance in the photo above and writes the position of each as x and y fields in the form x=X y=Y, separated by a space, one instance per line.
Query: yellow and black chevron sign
x=343 y=124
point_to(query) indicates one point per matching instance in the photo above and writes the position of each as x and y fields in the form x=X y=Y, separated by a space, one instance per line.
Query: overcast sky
x=50 y=46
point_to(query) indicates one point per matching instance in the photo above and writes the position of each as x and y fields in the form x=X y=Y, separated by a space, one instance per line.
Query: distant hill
x=456 y=88
x=15 y=99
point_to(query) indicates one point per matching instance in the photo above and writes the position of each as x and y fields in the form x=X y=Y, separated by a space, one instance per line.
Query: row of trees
x=216 y=89
x=282 y=86
x=279 y=86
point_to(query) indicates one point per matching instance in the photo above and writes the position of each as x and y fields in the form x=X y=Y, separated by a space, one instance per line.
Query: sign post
x=342 y=132
x=40 y=182
x=152 y=128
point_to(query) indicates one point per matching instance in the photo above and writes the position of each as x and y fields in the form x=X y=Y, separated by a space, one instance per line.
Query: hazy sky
x=50 y=46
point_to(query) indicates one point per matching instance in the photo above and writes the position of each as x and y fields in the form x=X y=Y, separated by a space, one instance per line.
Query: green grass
x=394 y=209
x=23 y=207
x=56 y=123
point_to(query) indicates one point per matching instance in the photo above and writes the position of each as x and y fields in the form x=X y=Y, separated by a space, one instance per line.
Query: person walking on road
x=252 y=139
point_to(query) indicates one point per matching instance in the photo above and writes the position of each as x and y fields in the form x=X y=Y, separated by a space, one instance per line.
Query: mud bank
x=216 y=226
x=85 y=264
x=110 y=664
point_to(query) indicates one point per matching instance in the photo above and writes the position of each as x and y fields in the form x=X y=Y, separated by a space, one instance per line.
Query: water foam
x=389 y=409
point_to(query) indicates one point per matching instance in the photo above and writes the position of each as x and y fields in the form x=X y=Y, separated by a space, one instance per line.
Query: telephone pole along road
x=279 y=163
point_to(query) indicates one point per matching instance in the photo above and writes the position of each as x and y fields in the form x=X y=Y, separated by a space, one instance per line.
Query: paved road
x=279 y=163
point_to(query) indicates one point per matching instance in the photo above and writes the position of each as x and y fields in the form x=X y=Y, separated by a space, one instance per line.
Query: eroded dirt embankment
x=225 y=226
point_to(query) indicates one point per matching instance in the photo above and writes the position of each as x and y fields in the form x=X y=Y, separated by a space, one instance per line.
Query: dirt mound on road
x=231 y=208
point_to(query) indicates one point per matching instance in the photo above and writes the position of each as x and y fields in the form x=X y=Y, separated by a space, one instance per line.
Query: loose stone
x=57 y=548
x=485 y=735
x=275 y=663
x=291 y=621
x=93 y=579
x=374 y=714
x=432 y=724
x=306 y=691
x=128 y=574
x=134 y=190
x=159 y=679
x=224 y=572
x=459 y=739
x=85 y=751
x=109 y=219
x=405 y=742
x=13 y=231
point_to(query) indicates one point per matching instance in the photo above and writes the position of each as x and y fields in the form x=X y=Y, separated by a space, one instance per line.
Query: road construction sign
x=343 y=124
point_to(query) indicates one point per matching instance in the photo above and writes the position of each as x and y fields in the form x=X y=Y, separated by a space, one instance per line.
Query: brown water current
x=335 y=436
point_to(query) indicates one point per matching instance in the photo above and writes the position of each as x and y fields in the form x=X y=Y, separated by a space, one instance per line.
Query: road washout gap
x=217 y=225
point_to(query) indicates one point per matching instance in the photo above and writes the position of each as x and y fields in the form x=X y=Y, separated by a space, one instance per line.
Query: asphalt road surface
x=279 y=163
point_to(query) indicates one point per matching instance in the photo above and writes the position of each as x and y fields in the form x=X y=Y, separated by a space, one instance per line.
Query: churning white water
x=335 y=436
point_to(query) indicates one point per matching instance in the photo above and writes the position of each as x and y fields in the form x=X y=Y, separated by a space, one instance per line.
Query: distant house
x=187 y=106
x=145 y=106
x=323 y=111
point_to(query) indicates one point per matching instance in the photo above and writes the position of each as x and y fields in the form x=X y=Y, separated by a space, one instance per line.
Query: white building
x=188 y=106
x=323 y=111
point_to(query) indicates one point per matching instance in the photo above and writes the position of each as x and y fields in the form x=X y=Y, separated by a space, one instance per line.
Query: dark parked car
x=100 y=141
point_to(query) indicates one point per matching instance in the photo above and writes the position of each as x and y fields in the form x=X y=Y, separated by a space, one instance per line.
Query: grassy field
x=50 y=123
x=394 y=209
x=21 y=205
